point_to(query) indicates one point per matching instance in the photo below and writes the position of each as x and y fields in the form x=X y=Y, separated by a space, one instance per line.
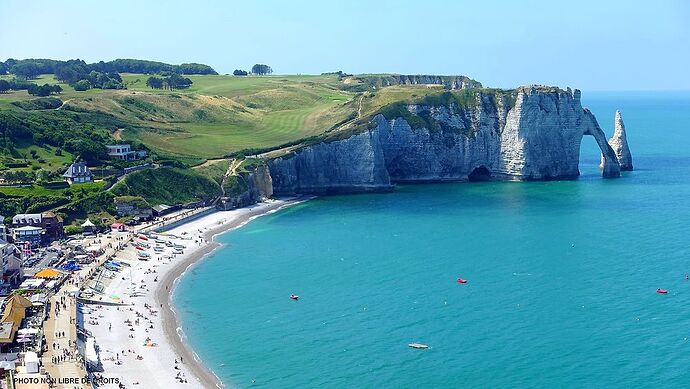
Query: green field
x=46 y=158
x=217 y=115
x=37 y=190
x=210 y=125
x=220 y=114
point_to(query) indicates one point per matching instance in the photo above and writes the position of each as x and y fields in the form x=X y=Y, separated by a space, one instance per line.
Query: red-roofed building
x=119 y=227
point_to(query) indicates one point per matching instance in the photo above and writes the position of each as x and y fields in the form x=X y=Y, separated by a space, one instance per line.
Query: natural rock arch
x=610 y=166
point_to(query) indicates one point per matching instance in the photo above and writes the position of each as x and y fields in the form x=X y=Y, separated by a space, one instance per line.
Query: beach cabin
x=118 y=227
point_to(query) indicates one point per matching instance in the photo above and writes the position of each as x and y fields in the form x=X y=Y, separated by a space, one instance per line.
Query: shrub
x=73 y=230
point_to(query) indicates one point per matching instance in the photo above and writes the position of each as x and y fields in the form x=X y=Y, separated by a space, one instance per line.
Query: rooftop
x=23 y=218
x=77 y=169
x=28 y=228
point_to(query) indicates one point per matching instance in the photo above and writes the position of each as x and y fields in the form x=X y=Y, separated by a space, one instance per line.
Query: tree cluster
x=30 y=68
x=151 y=67
x=43 y=90
x=18 y=177
x=14 y=84
x=81 y=78
x=171 y=82
x=261 y=69
x=239 y=72
x=104 y=75
x=4 y=86
x=80 y=133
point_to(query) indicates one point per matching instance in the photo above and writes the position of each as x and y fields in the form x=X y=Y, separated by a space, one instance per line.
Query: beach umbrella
x=47 y=273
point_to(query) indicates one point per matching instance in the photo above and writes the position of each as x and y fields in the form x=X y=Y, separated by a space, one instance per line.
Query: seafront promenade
x=62 y=361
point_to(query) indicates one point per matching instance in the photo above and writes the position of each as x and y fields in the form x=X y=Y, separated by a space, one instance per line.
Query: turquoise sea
x=562 y=278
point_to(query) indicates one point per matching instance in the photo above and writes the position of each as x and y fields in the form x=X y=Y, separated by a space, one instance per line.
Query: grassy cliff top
x=220 y=114
x=215 y=116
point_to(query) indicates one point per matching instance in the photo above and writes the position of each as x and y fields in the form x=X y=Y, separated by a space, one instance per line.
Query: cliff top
x=385 y=80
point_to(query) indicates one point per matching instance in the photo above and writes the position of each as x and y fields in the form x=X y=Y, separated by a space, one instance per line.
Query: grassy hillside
x=217 y=115
x=206 y=125
x=167 y=185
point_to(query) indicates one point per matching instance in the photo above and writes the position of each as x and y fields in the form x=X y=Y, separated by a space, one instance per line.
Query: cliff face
x=253 y=187
x=448 y=82
x=355 y=164
x=528 y=134
x=542 y=137
x=619 y=144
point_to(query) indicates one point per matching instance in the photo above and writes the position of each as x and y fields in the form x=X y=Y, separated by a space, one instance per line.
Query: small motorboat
x=662 y=291
x=418 y=345
x=462 y=281
x=294 y=297
x=139 y=248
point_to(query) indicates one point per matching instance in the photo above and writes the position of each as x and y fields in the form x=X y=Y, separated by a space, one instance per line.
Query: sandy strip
x=160 y=366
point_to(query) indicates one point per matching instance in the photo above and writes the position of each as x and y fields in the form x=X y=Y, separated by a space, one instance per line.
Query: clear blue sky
x=592 y=45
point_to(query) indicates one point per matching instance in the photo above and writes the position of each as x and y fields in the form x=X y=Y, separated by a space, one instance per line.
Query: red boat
x=462 y=280
x=143 y=237
x=294 y=296
x=662 y=291
x=139 y=248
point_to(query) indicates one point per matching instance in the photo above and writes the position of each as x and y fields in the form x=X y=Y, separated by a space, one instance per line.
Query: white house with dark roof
x=78 y=173
x=124 y=152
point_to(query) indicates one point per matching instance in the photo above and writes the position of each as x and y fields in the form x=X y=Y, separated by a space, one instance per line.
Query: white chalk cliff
x=619 y=144
x=531 y=133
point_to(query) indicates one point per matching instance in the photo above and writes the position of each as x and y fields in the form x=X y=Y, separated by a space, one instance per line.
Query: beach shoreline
x=165 y=290
x=120 y=344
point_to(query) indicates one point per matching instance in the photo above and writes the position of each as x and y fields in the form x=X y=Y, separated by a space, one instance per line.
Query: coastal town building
x=12 y=273
x=3 y=229
x=124 y=152
x=164 y=209
x=29 y=234
x=13 y=312
x=133 y=206
x=78 y=173
x=51 y=225
x=10 y=262
x=118 y=227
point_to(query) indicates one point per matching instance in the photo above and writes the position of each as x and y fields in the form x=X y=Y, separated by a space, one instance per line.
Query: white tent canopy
x=90 y=352
x=31 y=362
x=88 y=223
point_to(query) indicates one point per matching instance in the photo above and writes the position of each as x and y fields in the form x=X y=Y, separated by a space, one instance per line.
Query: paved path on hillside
x=232 y=171
x=63 y=104
x=209 y=162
